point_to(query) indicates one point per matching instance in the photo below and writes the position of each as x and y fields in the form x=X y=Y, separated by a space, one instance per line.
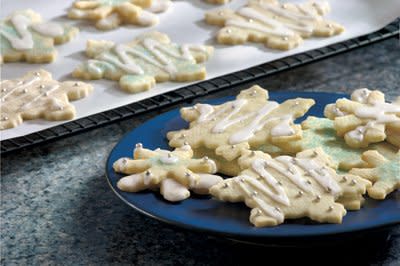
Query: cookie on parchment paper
x=24 y=36
x=36 y=95
x=277 y=26
x=109 y=14
x=149 y=58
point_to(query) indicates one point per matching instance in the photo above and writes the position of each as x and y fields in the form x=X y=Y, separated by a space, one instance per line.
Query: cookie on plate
x=245 y=123
x=366 y=118
x=148 y=59
x=320 y=132
x=174 y=173
x=36 y=95
x=109 y=14
x=288 y=187
x=24 y=36
x=277 y=26
x=383 y=172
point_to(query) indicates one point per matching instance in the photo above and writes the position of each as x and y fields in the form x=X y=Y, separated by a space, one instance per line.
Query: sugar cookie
x=247 y=122
x=320 y=132
x=366 y=118
x=288 y=187
x=109 y=14
x=384 y=173
x=37 y=95
x=24 y=36
x=278 y=26
x=138 y=65
x=173 y=172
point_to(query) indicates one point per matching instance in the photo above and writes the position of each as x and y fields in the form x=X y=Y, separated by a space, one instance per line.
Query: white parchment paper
x=183 y=22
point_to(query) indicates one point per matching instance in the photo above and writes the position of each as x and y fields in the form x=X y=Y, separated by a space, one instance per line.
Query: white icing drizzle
x=124 y=57
x=109 y=22
x=130 y=182
x=283 y=128
x=321 y=174
x=279 y=10
x=47 y=92
x=322 y=7
x=258 y=165
x=206 y=181
x=213 y=166
x=170 y=159
x=255 y=124
x=251 y=26
x=358 y=133
x=379 y=112
x=226 y=121
x=262 y=205
x=375 y=112
x=77 y=13
x=335 y=110
x=278 y=20
x=48 y=29
x=289 y=170
x=159 y=6
x=20 y=85
x=24 y=41
x=361 y=95
x=173 y=190
x=146 y=18
x=207 y=113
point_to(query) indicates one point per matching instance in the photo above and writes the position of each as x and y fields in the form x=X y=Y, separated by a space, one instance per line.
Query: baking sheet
x=184 y=23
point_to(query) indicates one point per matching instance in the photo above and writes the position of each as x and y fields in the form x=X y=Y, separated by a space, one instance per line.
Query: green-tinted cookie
x=25 y=37
x=319 y=132
x=150 y=58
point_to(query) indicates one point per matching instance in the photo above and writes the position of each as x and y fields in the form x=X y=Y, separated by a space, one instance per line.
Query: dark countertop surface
x=57 y=208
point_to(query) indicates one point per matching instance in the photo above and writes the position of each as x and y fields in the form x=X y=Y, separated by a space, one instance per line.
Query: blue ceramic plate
x=231 y=219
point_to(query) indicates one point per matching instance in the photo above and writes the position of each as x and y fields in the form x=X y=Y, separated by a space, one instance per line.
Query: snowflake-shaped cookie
x=138 y=65
x=320 y=132
x=173 y=172
x=24 y=36
x=109 y=14
x=247 y=122
x=288 y=187
x=37 y=95
x=278 y=26
x=384 y=173
x=366 y=118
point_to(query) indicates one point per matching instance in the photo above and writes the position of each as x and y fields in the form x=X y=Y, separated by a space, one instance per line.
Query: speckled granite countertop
x=57 y=208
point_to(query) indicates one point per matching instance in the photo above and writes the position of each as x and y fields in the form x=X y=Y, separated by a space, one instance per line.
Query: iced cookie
x=174 y=173
x=109 y=14
x=36 y=95
x=148 y=59
x=288 y=187
x=384 y=173
x=320 y=132
x=366 y=118
x=277 y=26
x=24 y=36
x=247 y=122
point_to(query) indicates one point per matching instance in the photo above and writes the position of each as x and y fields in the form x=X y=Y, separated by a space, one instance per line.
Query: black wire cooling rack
x=196 y=90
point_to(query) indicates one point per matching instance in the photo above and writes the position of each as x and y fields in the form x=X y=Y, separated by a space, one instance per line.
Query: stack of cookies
x=318 y=169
